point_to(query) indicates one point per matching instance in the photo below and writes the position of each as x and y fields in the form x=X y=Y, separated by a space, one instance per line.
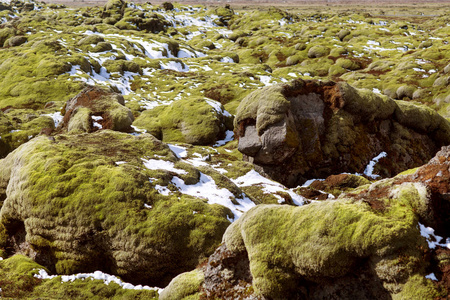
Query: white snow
x=107 y=279
x=228 y=138
x=120 y=162
x=218 y=107
x=56 y=116
x=373 y=43
x=369 y=168
x=179 y=151
x=162 y=190
x=377 y=91
x=432 y=239
x=419 y=70
x=227 y=60
x=207 y=188
x=175 y=65
x=159 y=164
x=96 y=119
x=269 y=186
x=431 y=276
x=265 y=79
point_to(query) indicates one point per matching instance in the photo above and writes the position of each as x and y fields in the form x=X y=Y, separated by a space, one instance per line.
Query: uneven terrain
x=176 y=151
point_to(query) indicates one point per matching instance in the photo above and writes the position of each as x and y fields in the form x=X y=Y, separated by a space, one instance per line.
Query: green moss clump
x=366 y=104
x=87 y=213
x=192 y=121
x=16 y=276
x=346 y=230
x=183 y=286
x=266 y=106
x=318 y=51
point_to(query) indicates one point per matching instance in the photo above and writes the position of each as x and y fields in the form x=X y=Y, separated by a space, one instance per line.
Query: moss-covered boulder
x=379 y=241
x=184 y=286
x=310 y=129
x=318 y=51
x=21 y=280
x=196 y=121
x=80 y=203
x=96 y=108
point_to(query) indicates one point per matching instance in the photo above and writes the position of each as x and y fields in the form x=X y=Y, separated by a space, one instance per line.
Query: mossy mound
x=294 y=132
x=374 y=247
x=195 y=121
x=82 y=203
x=96 y=108
x=19 y=281
x=185 y=286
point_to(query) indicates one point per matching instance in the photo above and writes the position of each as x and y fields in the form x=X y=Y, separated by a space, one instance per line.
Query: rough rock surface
x=74 y=204
x=193 y=121
x=310 y=129
x=96 y=108
x=365 y=245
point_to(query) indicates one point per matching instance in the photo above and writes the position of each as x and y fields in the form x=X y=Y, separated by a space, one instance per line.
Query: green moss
x=344 y=229
x=16 y=276
x=420 y=288
x=267 y=106
x=184 y=285
x=84 y=190
x=191 y=121
x=366 y=104
x=318 y=51
x=80 y=121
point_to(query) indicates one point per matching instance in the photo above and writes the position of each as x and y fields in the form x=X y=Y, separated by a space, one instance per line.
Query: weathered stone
x=311 y=129
x=96 y=108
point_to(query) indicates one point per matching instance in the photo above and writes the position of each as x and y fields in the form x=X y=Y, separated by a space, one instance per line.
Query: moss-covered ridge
x=314 y=129
x=86 y=209
x=288 y=246
x=20 y=281
x=194 y=121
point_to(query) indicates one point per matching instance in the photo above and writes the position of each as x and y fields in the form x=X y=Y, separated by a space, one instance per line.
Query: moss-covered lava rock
x=309 y=129
x=96 y=108
x=195 y=121
x=79 y=203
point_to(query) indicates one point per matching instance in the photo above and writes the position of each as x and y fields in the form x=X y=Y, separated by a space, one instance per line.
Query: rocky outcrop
x=96 y=108
x=371 y=243
x=195 y=121
x=311 y=129
x=80 y=203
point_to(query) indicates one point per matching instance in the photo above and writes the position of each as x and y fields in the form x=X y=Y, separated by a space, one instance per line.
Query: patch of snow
x=176 y=66
x=120 y=162
x=370 y=42
x=308 y=182
x=229 y=136
x=217 y=106
x=432 y=239
x=377 y=91
x=158 y=164
x=147 y=206
x=163 y=190
x=227 y=60
x=292 y=74
x=265 y=79
x=207 y=188
x=107 y=279
x=419 y=70
x=269 y=186
x=179 y=151
x=369 y=168
x=431 y=276
x=56 y=116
